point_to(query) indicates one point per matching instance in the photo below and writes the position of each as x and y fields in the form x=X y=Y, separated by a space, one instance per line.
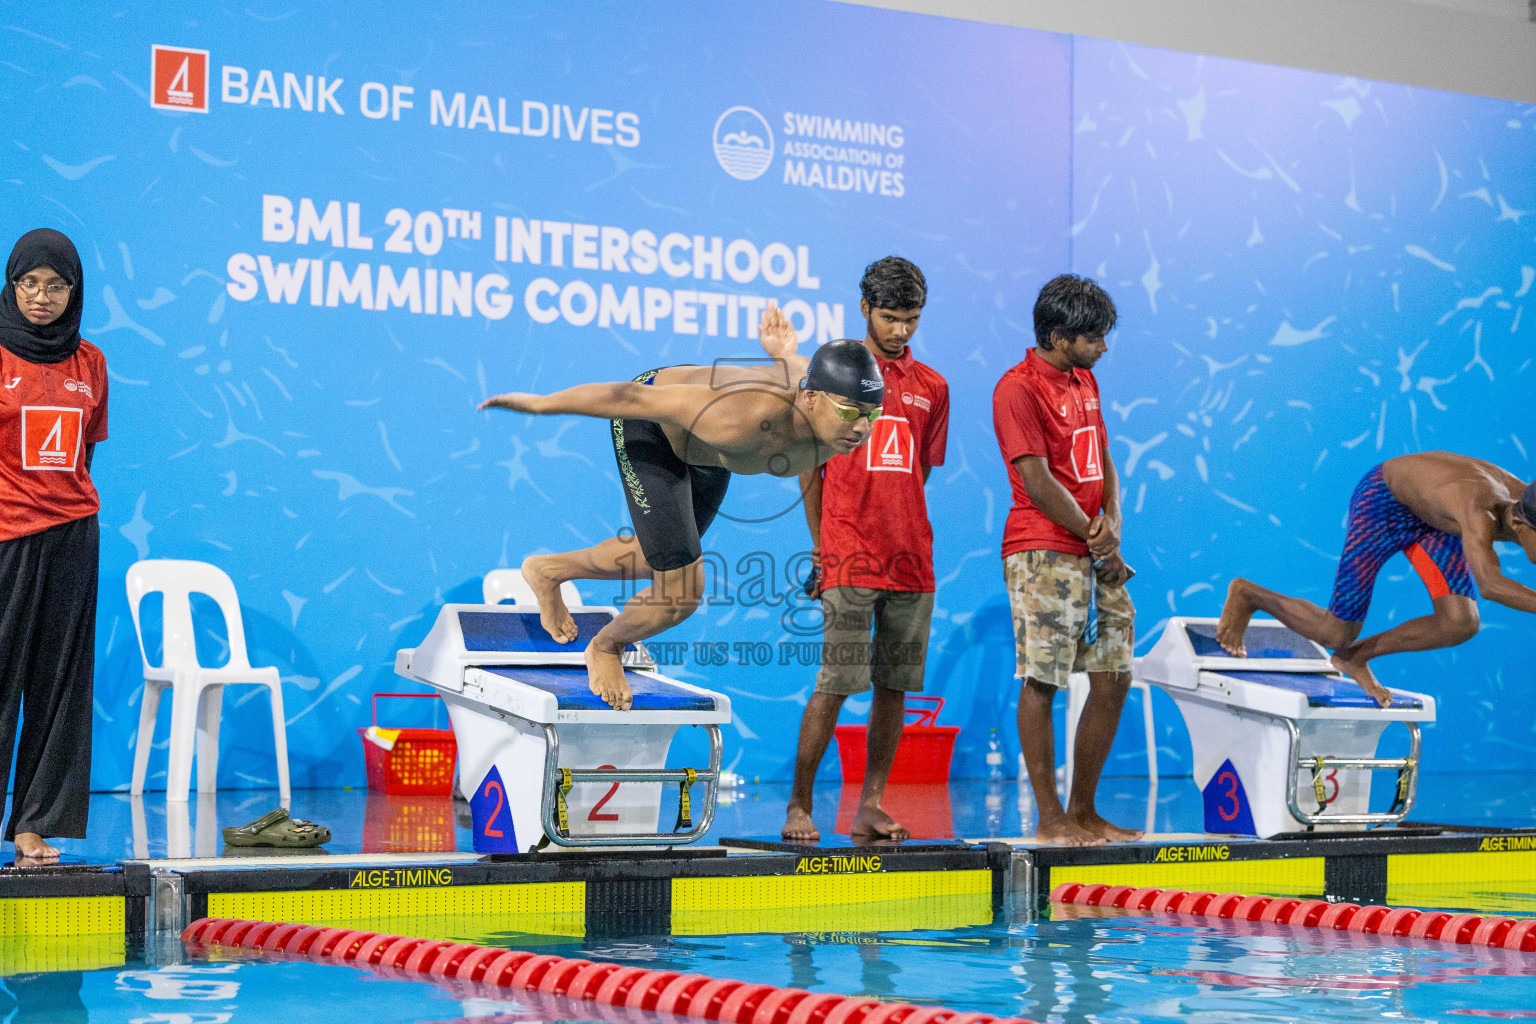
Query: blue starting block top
x=1323 y=691
x=569 y=686
x=1261 y=640
x=521 y=631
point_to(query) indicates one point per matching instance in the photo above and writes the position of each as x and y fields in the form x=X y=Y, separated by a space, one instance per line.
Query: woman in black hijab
x=53 y=411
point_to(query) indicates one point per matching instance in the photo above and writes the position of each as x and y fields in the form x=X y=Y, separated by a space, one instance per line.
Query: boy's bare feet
x=605 y=675
x=553 y=615
x=1234 y=618
x=1361 y=673
x=1065 y=832
x=1096 y=825
x=798 y=827
x=874 y=823
x=30 y=847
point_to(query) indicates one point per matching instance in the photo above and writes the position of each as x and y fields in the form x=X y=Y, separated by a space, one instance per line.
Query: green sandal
x=275 y=828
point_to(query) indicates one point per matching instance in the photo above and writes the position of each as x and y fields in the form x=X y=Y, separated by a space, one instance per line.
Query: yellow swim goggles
x=849 y=413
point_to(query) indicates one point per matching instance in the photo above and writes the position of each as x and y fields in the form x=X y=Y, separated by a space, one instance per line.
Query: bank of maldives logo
x=743 y=143
x=178 y=79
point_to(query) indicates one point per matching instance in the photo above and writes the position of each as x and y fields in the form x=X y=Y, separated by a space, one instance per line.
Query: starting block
x=541 y=758
x=1282 y=742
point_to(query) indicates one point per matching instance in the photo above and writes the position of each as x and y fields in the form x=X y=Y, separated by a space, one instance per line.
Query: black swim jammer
x=671 y=503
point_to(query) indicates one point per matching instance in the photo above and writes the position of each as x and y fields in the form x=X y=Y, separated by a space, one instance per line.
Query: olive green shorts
x=893 y=659
x=1048 y=595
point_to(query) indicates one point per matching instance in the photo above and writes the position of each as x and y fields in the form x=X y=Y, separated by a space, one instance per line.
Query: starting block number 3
x=1227 y=809
x=1228 y=796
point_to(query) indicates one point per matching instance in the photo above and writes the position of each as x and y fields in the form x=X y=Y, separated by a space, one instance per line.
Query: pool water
x=1110 y=970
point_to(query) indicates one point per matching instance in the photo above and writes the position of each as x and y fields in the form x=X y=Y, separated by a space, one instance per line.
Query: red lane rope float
x=692 y=995
x=1399 y=922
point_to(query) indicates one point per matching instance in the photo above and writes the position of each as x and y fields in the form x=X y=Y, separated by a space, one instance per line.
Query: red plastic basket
x=922 y=756
x=421 y=763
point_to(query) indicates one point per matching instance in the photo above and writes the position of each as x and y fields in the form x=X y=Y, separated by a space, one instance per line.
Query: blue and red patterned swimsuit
x=1379 y=527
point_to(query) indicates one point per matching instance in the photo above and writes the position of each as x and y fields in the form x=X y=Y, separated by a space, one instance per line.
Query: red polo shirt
x=49 y=412
x=1040 y=410
x=874 y=515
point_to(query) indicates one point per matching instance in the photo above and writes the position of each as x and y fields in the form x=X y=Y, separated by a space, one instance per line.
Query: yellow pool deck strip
x=769 y=886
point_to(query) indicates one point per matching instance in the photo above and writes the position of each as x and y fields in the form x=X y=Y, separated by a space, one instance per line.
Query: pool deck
x=741 y=884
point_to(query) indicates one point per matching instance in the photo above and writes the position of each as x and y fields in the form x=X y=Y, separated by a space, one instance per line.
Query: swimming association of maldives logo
x=743 y=143
x=178 y=79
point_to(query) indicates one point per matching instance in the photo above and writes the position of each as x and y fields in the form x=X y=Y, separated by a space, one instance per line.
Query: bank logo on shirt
x=890 y=448
x=178 y=79
x=743 y=143
x=1087 y=460
x=50 y=438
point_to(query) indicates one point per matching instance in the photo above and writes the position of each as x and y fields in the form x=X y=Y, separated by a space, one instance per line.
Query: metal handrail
x=710 y=777
x=1409 y=764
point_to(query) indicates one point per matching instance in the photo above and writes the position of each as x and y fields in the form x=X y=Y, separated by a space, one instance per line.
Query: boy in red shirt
x=1061 y=552
x=880 y=574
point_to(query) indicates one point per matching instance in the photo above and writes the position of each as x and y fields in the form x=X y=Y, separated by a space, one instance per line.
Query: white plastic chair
x=197 y=693
x=500 y=584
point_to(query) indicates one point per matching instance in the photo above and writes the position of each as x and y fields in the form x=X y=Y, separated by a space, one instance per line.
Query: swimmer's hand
x=513 y=401
x=1103 y=536
x=779 y=341
x=776 y=334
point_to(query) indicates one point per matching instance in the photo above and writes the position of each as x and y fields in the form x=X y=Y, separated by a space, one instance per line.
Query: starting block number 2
x=492 y=816
x=493 y=830
x=597 y=813
x=494 y=786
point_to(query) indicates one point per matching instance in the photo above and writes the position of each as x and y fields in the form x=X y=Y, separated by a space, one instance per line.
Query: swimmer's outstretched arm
x=1477 y=541
x=779 y=341
x=676 y=404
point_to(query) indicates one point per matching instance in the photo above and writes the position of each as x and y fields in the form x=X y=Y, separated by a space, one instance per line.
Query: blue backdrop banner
x=1315 y=274
x=315 y=239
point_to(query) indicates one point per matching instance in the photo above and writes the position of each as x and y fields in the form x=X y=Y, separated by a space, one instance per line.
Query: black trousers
x=47 y=661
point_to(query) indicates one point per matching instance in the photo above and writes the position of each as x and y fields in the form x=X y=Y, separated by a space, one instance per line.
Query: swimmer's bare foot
x=1361 y=673
x=605 y=674
x=553 y=615
x=1096 y=825
x=874 y=823
x=1065 y=832
x=1234 y=618
x=798 y=827
x=30 y=847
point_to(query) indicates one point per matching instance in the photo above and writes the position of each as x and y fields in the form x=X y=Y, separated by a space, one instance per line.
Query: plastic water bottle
x=994 y=756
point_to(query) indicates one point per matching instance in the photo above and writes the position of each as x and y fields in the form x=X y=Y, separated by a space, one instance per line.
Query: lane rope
x=691 y=995
x=1400 y=922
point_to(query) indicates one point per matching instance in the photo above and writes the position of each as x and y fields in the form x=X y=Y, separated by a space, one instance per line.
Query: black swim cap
x=847 y=369
x=1526 y=507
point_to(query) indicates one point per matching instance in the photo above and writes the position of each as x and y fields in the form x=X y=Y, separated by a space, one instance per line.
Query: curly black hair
x=894 y=283
x=1070 y=305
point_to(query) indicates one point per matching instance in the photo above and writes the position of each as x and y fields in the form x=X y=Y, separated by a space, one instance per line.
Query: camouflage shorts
x=1048 y=595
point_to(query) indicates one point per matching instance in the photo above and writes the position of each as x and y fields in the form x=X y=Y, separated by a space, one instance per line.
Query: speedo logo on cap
x=873 y=385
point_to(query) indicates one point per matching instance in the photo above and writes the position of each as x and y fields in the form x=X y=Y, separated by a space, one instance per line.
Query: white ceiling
x=1486 y=47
